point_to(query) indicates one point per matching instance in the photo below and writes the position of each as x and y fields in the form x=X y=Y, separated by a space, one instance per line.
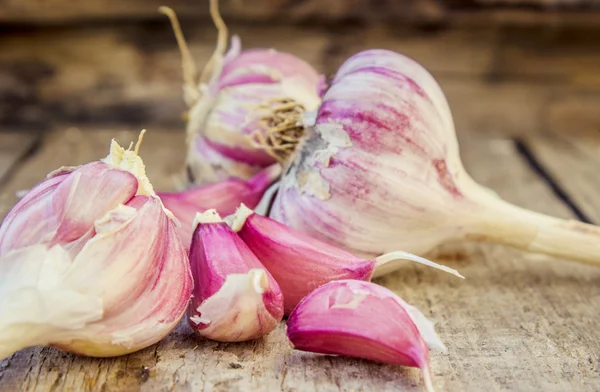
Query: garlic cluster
x=235 y=99
x=379 y=169
x=90 y=261
x=363 y=320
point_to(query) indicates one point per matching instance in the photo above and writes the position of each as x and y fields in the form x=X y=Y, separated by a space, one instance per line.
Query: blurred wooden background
x=506 y=65
x=523 y=81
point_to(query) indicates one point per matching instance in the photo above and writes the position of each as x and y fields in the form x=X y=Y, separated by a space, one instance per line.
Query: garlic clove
x=363 y=320
x=137 y=241
x=108 y=274
x=39 y=305
x=224 y=196
x=300 y=263
x=60 y=209
x=235 y=298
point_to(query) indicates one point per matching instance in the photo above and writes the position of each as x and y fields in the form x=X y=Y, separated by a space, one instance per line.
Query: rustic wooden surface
x=519 y=322
x=61 y=11
x=500 y=80
x=525 y=102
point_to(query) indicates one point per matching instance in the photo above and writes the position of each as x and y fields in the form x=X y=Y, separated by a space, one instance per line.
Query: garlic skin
x=380 y=170
x=300 y=263
x=224 y=196
x=235 y=298
x=363 y=320
x=90 y=262
x=232 y=98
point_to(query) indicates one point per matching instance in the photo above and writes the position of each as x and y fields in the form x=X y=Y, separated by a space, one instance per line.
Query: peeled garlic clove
x=300 y=263
x=235 y=96
x=363 y=320
x=379 y=169
x=235 y=298
x=224 y=196
x=91 y=262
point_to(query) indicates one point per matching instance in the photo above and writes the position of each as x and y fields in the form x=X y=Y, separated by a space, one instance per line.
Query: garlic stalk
x=235 y=298
x=379 y=169
x=300 y=263
x=90 y=262
x=235 y=98
x=224 y=196
x=363 y=320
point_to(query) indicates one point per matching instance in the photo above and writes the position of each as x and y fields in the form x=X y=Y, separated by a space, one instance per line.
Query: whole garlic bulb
x=235 y=97
x=91 y=262
x=380 y=170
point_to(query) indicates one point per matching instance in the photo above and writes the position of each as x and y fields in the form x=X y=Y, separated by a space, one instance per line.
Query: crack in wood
x=559 y=191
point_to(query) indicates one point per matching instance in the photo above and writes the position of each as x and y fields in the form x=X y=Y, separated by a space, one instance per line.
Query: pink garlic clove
x=235 y=298
x=224 y=196
x=300 y=263
x=102 y=271
x=60 y=209
x=363 y=320
x=234 y=97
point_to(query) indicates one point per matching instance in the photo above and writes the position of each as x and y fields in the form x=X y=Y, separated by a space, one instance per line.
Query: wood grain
x=518 y=322
x=55 y=11
x=107 y=74
x=118 y=74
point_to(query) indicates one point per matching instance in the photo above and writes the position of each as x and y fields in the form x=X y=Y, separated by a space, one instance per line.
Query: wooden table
x=518 y=322
x=526 y=104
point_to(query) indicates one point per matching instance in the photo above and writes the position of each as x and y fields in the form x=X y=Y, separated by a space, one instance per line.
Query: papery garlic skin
x=363 y=320
x=94 y=261
x=300 y=263
x=235 y=298
x=223 y=196
x=380 y=170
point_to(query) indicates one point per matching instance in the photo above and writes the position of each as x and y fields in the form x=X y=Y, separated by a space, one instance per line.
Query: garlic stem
x=383 y=264
x=535 y=232
x=190 y=73
x=214 y=63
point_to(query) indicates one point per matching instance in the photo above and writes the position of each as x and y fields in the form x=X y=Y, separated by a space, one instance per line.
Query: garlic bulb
x=380 y=170
x=238 y=95
x=363 y=320
x=224 y=196
x=300 y=263
x=90 y=261
x=235 y=298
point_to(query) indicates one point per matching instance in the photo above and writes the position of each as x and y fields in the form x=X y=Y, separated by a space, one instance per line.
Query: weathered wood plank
x=574 y=163
x=13 y=147
x=518 y=322
x=55 y=11
x=117 y=74
x=112 y=74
